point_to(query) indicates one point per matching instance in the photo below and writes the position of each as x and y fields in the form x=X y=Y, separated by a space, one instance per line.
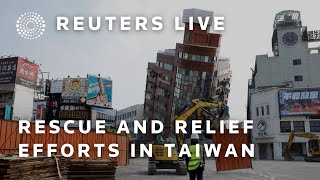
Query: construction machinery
x=313 y=146
x=160 y=158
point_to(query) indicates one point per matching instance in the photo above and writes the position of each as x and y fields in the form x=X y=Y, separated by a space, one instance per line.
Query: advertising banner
x=299 y=102
x=54 y=106
x=27 y=73
x=38 y=110
x=99 y=91
x=77 y=87
x=73 y=98
x=74 y=91
x=8 y=70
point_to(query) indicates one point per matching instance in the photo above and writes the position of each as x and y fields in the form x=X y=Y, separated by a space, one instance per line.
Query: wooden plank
x=231 y=163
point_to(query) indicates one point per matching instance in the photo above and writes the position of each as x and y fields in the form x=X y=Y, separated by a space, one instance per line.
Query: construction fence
x=10 y=140
x=231 y=163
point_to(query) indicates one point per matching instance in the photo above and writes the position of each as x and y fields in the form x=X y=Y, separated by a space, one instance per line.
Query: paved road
x=262 y=170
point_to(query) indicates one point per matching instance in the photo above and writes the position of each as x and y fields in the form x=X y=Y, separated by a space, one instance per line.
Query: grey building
x=283 y=94
x=130 y=114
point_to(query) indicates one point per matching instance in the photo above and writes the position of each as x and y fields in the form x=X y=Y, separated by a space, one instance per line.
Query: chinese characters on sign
x=27 y=73
x=73 y=98
x=299 y=102
x=313 y=35
x=8 y=69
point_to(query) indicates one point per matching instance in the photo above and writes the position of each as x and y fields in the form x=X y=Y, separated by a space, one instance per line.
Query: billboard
x=99 y=91
x=299 y=102
x=74 y=90
x=27 y=73
x=8 y=70
x=54 y=106
x=73 y=98
x=77 y=87
x=38 y=110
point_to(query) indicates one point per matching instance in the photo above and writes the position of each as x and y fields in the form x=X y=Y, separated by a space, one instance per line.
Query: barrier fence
x=10 y=140
x=231 y=163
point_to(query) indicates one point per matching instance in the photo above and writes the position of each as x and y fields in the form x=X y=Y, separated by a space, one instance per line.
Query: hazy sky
x=124 y=55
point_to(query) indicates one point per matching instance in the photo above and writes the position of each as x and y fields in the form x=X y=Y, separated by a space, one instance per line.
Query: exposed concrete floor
x=271 y=170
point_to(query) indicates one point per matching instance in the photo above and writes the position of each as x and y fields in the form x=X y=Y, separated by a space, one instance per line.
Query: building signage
x=8 y=70
x=310 y=36
x=17 y=70
x=73 y=98
x=69 y=114
x=54 y=106
x=27 y=73
x=75 y=87
x=99 y=91
x=74 y=91
x=8 y=111
x=262 y=126
x=38 y=109
x=299 y=102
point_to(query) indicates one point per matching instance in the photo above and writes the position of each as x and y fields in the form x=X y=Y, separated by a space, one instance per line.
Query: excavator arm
x=199 y=106
x=287 y=155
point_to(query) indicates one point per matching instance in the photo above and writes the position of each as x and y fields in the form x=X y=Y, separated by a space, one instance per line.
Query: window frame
x=285 y=130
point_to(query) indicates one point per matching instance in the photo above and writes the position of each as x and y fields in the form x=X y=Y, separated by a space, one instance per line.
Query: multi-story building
x=18 y=81
x=130 y=114
x=283 y=94
x=108 y=115
x=184 y=73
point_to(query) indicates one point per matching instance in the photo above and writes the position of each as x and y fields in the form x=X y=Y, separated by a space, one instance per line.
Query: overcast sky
x=124 y=55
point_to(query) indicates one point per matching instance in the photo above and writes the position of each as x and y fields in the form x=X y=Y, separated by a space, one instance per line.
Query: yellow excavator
x=160 y=158
x=313 y=146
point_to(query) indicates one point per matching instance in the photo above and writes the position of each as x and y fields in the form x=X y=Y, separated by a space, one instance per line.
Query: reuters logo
x=30 y=25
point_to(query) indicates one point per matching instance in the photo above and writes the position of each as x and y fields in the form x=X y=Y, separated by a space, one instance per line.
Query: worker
x=195 y=164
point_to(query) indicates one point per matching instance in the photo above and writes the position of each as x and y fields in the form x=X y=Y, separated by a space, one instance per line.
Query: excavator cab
x=314 y=150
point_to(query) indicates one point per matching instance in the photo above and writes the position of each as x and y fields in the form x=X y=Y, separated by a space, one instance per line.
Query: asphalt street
x=262 y=170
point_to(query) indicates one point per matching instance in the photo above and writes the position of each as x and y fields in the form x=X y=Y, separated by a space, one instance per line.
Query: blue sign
x=7 y=115
x=99 y=91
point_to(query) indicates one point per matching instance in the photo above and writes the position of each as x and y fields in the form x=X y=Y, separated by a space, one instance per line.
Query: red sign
x=27 y=72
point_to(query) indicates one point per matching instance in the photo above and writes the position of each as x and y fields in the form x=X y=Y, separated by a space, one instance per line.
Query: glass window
x=297 y=62
x=298 y=126
x=185 y=55
x=257 y=111
x=285 y=126
x=262 y=111
x=180 y=55
x=298 y=78
x=148 y=96
x=206 y=58
x=268 y=110
x=168 y=67
x=161 y=64
x=314 y=126
x=161 y=91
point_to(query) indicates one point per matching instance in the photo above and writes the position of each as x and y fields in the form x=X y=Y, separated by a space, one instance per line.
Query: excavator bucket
x=287 y=156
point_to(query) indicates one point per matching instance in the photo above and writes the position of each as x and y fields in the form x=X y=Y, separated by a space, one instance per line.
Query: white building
x=293 y=71
x=130 y=114
x=109 y=115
